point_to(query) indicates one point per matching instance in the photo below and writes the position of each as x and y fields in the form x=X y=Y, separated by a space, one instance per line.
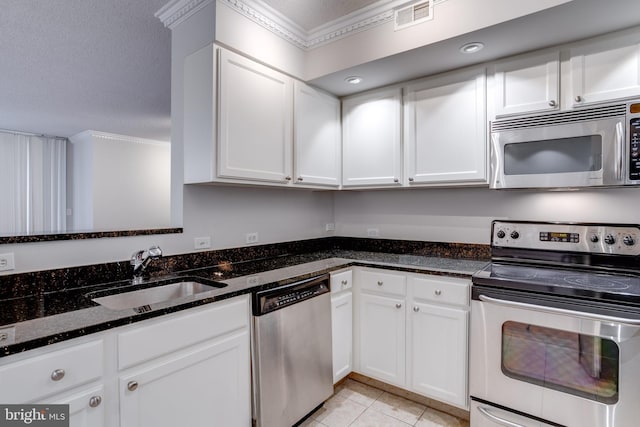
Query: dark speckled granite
x=55 y=305
x=85 y=235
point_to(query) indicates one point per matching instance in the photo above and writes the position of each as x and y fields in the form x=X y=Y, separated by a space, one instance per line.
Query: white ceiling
x=72 y=65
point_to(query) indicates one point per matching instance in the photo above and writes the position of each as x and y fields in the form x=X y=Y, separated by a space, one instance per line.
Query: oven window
x=578 y=154
x=583 y=365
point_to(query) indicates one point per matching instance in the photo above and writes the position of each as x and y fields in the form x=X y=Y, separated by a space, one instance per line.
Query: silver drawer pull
x=398 y=305
x=344 y=283
x=501 y=421
x=552 y=103
x=95 y=401
x=416 y=308
x=438 y=292
x=57 y=375
x=578 y=98
x=132 y=385
x=380 y=283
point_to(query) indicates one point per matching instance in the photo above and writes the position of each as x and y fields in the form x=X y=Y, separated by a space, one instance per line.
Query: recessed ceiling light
x=353 y=80
x=472 y=47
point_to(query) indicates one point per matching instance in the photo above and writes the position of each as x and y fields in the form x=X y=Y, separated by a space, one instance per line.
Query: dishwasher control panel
x=274 y=299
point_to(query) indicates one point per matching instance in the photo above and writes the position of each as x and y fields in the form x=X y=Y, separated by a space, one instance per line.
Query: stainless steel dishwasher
x=292 y=359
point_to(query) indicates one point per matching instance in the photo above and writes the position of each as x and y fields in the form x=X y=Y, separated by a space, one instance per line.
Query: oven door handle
x=485 y=411
x=554 y=310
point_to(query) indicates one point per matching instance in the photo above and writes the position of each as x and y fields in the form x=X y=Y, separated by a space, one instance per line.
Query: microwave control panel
x=634 y=148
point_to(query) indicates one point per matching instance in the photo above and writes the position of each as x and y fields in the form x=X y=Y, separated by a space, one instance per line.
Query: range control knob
x=594 y=238
x=515 y=234
x=628 y=240
x=609 y=239
x=500 y=234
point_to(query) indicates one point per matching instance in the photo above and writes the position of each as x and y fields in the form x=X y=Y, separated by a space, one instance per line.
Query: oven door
x=581 y=154
x=545 y=359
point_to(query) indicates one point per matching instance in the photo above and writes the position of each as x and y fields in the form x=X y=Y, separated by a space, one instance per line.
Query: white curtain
x=32 y=184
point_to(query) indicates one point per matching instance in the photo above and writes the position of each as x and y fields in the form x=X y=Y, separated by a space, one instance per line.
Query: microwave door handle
x=554 y=310
x=619 y=136
x=485 y=411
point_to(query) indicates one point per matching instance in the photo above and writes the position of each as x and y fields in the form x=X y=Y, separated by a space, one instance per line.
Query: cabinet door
x=255 y=120
x=342 y=334
x=382 y=338
x=205 y=387
x=86 y=408
x=605 y=70
x=438 y=356
x=528 y=84
x=372 y=138
x=317 y=141
x=445 y=129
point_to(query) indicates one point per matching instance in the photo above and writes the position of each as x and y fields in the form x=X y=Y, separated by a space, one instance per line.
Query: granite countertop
x=50 y=317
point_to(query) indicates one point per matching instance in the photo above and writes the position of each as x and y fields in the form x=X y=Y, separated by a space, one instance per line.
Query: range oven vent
x=562 y=117
x=413 y=14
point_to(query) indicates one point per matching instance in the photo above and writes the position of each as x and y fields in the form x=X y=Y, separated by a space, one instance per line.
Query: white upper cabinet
x=239 y=125
x=371 y=129
x=528 y=84
x=445 y=127
x=317 y=137
x=606 y=69
x=255 y=120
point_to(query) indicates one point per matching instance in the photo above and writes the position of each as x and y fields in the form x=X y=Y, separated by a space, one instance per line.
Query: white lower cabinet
x=438 y=330
x=382 y=338
x=438 y=339
x=187 y=368
x=342 y=324
x=206 y=386
x=85 y=407
x=411 y=330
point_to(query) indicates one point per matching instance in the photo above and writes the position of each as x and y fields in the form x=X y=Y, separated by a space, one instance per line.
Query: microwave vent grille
x=562 y=117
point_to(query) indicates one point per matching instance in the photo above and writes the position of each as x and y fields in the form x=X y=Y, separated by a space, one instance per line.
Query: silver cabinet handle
x=344 y=283
x=438 y=292
x=132 y=385
x=396 y=180
x=398 y=305
x=300 y=178
x=552 y=103
x=416 y=308
x=95 y=401
x=410 y=179
x=57 y=375
x=501 y=421
x=288 y=178
x=578 y=98
x=380 y=283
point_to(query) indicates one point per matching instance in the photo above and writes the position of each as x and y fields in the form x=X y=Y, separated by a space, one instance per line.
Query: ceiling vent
x=413 y=14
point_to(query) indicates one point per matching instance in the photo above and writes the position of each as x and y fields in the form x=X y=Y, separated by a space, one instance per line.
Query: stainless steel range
x=555 y=327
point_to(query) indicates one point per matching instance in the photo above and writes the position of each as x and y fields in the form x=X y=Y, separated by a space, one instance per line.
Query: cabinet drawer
x=341 y=281
x=444 y=290
x=36 y=377
x=142 y=343
x=393 y=284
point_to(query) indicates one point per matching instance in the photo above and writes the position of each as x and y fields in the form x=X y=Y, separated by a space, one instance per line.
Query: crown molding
x=177 y=11
x=363 y=19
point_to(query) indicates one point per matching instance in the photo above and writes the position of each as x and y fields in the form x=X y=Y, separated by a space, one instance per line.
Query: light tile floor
x=359 y=405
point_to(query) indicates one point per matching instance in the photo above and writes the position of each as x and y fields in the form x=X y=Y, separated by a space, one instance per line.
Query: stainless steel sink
x=160 y=293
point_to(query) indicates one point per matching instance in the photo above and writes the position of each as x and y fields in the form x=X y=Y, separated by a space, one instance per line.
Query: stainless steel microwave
x=590 y=147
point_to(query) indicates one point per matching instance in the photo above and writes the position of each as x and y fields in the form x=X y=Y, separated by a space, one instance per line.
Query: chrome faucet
x=141 y=259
